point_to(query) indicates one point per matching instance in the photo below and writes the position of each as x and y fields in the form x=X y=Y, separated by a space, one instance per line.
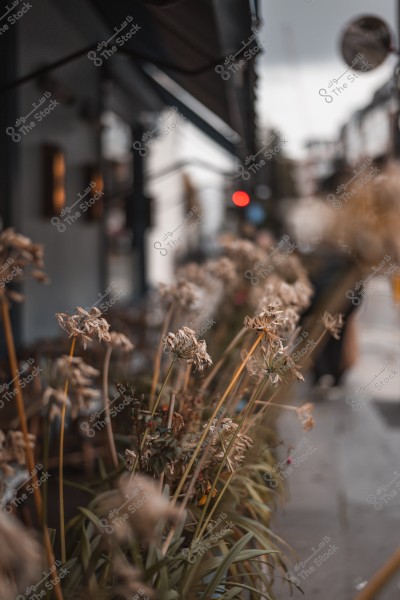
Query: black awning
x=187 y=41
x=192 y=42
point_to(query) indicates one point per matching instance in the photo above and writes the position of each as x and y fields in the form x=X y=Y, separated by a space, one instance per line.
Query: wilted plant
x=191 y=442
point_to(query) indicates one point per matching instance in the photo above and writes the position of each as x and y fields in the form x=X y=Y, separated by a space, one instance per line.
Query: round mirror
x=366 y=42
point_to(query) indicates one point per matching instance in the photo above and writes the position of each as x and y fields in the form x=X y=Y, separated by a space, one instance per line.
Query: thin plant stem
x=216 y=503
x=188 y=580
x=225 y=458
x=153 y=412
x=219 y=364
x=46 y=447
x=30 y=460
x=186 y=497
x=157 y=361
x=210 y=421
x=110 y=435
x=169 y=425
x=61 y=460
x=379 y=579
x=268 y=402
x=285 y=406
x=187 y=377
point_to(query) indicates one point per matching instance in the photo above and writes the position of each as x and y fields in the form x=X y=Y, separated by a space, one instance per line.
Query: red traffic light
x=240 y=198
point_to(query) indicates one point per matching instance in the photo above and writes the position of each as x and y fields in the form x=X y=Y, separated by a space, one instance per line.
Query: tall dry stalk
x=157 y=361
x=61 y=460
x=213 y=416
x=153 y=412
x=199 y=530
x=221 y=361
x=30 y=459
x=110 y=435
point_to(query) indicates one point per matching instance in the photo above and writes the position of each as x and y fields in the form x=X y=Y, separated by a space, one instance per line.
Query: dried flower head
x=120 y=341
x=80 y=377
x=183 y=293
x=85 y=325
x=273 y=363
x=305 y=416
x=375 y=207
x=17 y=446
x=296 y=295
x=20 y=563
x=130 y=458
x=17 y=254
x=193 y=273
x=13 y=449
x=243 y=252
x=222 y=268
x=221 y=436
x=183 y=345
x=136 y=507
x=269 y=321
x=333 y=324
x=79 y=373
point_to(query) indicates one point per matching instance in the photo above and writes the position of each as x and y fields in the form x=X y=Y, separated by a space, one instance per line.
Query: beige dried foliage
x=13 y=449
x=120 y=341
x=184 y=345
x=304 y=412
x=184 y=294
x=20 y=559
x=85 y=325
x=135 y=509
x=333 y=324
x=18 y=255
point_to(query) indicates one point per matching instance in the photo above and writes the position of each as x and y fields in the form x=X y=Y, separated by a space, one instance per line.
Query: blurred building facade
x=98 y=99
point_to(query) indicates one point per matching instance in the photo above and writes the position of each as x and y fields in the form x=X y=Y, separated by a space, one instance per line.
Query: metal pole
x=137 y=212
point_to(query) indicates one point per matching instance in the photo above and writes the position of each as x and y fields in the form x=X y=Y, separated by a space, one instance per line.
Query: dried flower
x=193 y=273
x=130 y=458
x=85 y=325
x=296 y=295
x=305 y=416
x=268 y=321
x=79 y=373
x=222 y=268
x=13 y=449
x=17 y=445
x=136 y=507
x=20 y=563
x=120 y=341
x=185 y=346
x=273 y=363
x=184 y=294
x=221 y=436
x=243 y=252
x=80 y=376
x=17 y=253
x=333 y=324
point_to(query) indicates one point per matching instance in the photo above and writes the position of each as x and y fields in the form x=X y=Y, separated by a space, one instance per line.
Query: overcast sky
x=301 y=55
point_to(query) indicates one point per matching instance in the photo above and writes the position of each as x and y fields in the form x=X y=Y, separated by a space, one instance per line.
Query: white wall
x=73 y=257
x=185 y=143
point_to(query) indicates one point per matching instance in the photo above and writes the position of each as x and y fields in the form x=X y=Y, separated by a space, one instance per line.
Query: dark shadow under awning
x=187 y=41
x=197 y=54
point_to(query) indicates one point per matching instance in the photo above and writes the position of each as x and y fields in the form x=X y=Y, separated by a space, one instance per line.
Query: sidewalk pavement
x=342 y=527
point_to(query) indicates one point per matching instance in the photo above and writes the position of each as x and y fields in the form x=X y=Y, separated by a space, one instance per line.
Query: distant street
x=342 y=528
